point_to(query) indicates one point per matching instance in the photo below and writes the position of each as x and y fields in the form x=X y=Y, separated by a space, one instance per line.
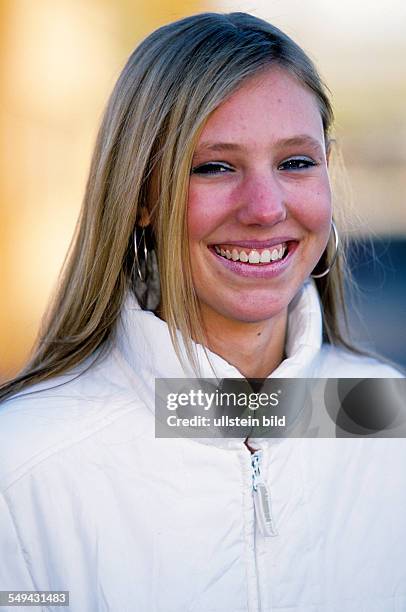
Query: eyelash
x=309 y=163
x=212 y=168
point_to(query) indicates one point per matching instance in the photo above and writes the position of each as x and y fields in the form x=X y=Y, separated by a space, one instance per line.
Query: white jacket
x=93 y=503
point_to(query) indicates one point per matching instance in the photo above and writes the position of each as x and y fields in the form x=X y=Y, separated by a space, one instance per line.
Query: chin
x=253 y=311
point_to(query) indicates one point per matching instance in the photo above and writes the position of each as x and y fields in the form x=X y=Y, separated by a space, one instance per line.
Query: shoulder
x=57 y=414
x=337 y=362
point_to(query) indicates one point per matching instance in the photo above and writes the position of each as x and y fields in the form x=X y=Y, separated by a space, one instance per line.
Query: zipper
x=262 y=499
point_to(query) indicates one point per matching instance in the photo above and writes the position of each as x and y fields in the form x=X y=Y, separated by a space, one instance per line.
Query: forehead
x=270 y=106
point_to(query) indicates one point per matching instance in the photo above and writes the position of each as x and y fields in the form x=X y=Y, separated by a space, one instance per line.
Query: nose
x=261 y=201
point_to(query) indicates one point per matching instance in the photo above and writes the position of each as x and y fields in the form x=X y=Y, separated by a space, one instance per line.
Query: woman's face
x=259 y=208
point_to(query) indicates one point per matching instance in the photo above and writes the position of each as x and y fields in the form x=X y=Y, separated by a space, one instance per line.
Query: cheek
x=314 y=210
x=206 y=212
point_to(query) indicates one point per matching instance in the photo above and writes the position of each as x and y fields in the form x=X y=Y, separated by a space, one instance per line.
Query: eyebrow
x=299 y=140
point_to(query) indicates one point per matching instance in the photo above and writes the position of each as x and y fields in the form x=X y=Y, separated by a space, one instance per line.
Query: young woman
x=205 y=247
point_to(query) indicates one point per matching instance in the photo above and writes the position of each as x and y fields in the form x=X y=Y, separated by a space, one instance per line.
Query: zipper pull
x=262 y=499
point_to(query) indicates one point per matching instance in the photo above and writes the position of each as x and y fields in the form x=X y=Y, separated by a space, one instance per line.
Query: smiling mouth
x=253 y=256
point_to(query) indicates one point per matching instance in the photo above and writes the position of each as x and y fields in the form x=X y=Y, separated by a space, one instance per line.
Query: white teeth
x=265 y=256
x=254 y=256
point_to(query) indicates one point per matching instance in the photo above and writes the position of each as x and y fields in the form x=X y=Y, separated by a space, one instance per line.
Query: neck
x=255 y=349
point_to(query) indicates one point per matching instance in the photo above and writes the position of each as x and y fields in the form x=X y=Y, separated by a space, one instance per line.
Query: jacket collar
x=143 y=340
x=145 y=343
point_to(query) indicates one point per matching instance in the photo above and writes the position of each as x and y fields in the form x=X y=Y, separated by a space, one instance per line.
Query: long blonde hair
x=170 y=85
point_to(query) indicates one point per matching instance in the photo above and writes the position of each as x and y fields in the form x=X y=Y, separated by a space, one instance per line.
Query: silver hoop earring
x=146 y=280
x=337 y=242
x=137 y=260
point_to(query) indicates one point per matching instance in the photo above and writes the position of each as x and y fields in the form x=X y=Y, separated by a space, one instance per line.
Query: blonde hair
x=170 y=85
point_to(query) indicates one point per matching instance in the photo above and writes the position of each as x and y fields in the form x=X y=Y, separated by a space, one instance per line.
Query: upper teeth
x=253 y=256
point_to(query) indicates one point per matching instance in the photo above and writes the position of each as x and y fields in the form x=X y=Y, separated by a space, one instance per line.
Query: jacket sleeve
x=14 y=573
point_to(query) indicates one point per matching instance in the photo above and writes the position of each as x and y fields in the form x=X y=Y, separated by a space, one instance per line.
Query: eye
x=297 y=163
x=212 y=168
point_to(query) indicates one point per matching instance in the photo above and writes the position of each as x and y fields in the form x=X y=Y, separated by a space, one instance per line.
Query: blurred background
x=60 y=62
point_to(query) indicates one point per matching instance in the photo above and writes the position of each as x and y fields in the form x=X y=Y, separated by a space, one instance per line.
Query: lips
x=267 y=260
